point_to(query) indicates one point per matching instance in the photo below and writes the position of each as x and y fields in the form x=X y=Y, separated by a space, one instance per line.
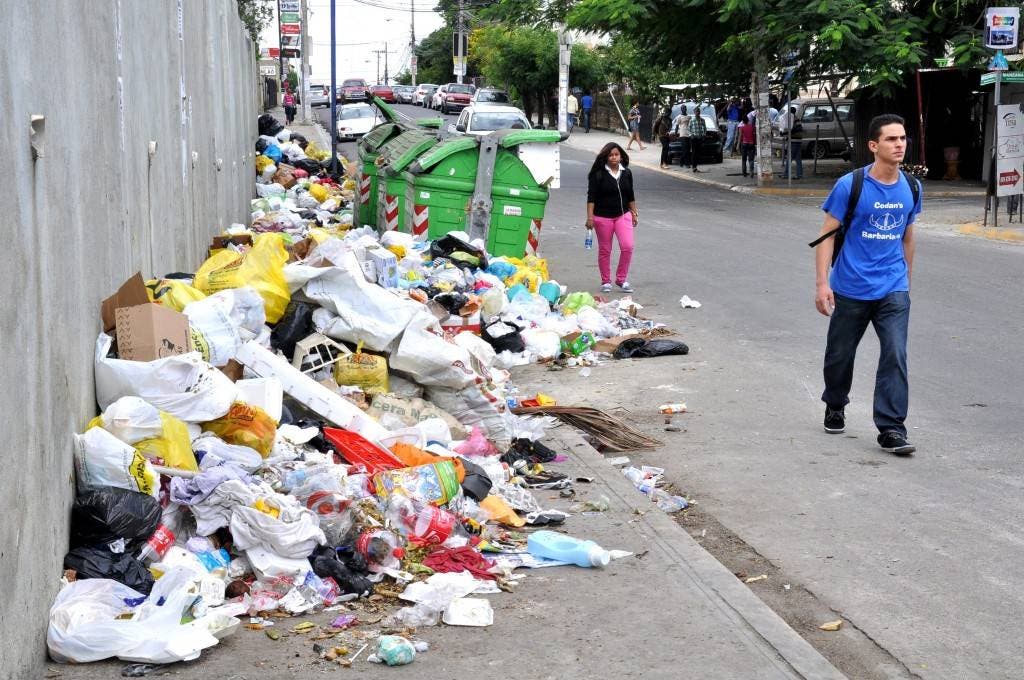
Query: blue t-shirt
x=587 y=102
x=733 y=113
x=871 y=263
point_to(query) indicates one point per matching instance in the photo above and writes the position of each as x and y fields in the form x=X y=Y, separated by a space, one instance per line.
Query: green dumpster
x=507 y=202
x=369 y=149
x=395 y=156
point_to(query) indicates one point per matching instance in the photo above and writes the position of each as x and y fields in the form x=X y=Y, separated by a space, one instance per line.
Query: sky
x=360 y=30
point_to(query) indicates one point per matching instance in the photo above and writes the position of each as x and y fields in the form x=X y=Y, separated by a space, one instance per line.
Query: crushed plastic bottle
x=556 y=546
x=381 y=548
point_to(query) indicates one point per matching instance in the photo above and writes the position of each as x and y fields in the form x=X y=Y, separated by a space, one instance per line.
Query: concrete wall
x=111 y=77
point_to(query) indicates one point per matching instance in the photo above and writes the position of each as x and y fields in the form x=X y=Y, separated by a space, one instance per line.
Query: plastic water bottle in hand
x=588 y=242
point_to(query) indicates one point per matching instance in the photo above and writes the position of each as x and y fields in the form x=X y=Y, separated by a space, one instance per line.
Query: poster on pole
x=1001 y=28
x=289 y=5
x=1009 y=150
x=291 y=29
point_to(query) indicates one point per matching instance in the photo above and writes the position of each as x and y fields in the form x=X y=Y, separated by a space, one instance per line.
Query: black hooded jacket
x=611 y=198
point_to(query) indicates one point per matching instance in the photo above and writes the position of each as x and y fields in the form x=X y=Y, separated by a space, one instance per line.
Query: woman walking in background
x=289 y=107
x=633 y=120
x=611 y=212
x=662 y=131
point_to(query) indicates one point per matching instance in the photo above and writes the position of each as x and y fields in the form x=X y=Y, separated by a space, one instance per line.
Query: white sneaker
x=625 y=287
x=606 y=287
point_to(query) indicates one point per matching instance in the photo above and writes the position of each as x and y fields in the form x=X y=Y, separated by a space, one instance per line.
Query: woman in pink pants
x=611 y=212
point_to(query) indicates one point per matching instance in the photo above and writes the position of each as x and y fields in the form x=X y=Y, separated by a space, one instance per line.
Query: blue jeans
x=795 y=154
x=570 y=121
x=730 y=135
x=586 y=119
x=890 y=316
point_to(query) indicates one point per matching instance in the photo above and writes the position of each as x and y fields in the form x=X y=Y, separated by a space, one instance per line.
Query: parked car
x=353 y=90
x=403 y=93
x=710 y=149
x=822 y=136
x=456 y=96
x=355 y=120
x=481 y=119
x=424 y=91
x=385 y=93
x=490 y=95
x=319 y=95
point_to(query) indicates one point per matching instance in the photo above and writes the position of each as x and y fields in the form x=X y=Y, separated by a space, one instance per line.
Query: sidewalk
x=312 y=131
x=728 y=175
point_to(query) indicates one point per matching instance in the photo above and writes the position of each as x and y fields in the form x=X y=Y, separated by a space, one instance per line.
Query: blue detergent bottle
x=556 y=546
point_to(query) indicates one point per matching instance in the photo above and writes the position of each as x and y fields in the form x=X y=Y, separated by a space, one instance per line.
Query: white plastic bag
x=101 y=459
x=475 y=406
x=221 y=322
x=477 y=346
x=84 y=624
x=293 y=533
x=542 y=344
x=364 y=311
x=216 y=451
x=589 y=319
x=131 y=420
x=430 y=359
x=185 y=386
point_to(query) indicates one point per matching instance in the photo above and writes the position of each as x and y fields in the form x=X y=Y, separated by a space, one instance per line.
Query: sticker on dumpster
x=424 y=194
x=513 y=192
x=513 y=211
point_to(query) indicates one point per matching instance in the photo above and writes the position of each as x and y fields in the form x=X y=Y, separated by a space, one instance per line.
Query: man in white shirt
x=681 y=126
x=572 y=108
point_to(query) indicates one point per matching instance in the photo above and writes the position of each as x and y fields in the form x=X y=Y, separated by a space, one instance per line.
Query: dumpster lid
x=376 y=137
x=509 y=138
x=432 y=123
x=442 y=151
x=388 y=113
x=398 y=153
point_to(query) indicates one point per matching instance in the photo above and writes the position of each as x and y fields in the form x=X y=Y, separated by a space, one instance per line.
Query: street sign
x=1008 y=77
x=289 y=5
x=268 y=70
x=290 y=18
x=998 y=62
x=1010 y=171
x=1009 y=150
x=1001 y=28
x=291 y=29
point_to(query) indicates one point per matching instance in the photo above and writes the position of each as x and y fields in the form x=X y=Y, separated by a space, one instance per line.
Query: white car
x=355 y=120
x=437 y=97
x=424 y=91
x=482 y=119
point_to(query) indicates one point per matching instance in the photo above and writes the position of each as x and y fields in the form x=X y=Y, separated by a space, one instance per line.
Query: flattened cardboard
x=150 y=331
x=132 y=292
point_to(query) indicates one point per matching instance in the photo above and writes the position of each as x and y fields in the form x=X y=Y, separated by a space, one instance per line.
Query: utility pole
x=460 y=43
x=759 y=95
x=412 y=40
x=564 y=57
x=334 y=88
x=385 y=62
x=378 y=53
x=307 y=110
x=280 y=49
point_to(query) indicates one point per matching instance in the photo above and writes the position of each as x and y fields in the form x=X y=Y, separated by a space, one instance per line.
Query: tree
x=434 y=55
x=255 y=15
x=403 y=78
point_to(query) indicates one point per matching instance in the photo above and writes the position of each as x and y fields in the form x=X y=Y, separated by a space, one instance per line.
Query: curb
x=753 y=618
x=1004 y=234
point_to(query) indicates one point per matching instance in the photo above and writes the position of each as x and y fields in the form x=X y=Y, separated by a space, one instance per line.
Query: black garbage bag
x=96 y=561
x=268 y=125
x=452 y=302
x=296 y=324
x=105 y=514
x=638 y=348
x=459 y=252
x=502 y=336
x=476 y=484
x=310 y=165
x=530 y=451
x=300 y=140
x=327 y=562
x=261 y=145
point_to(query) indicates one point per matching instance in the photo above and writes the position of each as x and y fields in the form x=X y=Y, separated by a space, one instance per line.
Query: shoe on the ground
x=835 y=420
x=606 y=287
x=894 y=442
x=625 y=287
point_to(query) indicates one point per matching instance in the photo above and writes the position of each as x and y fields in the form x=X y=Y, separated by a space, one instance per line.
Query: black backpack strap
x=915 y=188
x=856 y=186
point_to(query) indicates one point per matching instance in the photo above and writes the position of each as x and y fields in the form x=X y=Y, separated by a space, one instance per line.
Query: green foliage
x=255 y=15
x=403 y=78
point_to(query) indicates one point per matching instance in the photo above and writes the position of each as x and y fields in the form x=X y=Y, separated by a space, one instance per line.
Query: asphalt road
x=921 y=554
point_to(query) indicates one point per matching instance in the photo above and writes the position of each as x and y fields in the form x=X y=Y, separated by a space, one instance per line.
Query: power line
x=393 y=8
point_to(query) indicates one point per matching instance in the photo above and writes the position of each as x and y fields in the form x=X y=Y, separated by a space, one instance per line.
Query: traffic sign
x=1008 y=77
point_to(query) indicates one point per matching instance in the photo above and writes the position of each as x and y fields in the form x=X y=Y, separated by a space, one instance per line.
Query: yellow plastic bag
x=368 y=372
x=319 y=192
x=174 y=446
x=316 y=152
x=262 y=163
x=173 y=293
x=262 y=267
x=500 y=511
x=245 y=425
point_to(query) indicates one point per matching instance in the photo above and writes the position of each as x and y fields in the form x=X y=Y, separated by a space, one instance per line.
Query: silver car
x=319 y=95
x=403 y=93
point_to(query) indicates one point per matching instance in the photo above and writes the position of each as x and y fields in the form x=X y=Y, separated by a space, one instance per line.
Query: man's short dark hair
x=880 y=121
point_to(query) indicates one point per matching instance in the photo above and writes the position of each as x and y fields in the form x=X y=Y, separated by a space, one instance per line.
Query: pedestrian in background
x=587 y=103
x=681 y=127
x=662 y=131
x=748 y=144
x=572 y=107
x=633 y=120
x=875 y=208
x=698 y=131
x=733 y=115
x=793 y=133
x=289 y=107
x=611 y=212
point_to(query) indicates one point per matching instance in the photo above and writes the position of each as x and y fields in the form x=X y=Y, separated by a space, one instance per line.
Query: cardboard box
x=387 y=266
x=150 y=331
x=369 y=270
x=145 y=331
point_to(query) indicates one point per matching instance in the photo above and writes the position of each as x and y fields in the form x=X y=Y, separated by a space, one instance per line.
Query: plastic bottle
x=426 y=524
x=381 y=548
x=580 y=345
x=672 y=408
x=556 y=546
x=588 y=242
x=157 y=545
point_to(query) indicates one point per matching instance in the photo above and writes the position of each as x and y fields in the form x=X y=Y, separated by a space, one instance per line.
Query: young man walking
x=587 y=104
x=870 y=217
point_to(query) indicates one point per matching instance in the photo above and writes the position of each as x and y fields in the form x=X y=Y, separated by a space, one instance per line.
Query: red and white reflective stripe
x=364 y=189
x=420 y=222
x=391 y=212
x=533 y=238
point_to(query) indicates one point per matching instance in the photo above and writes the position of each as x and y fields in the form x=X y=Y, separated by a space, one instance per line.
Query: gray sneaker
x=625 y=287
x=606 y=287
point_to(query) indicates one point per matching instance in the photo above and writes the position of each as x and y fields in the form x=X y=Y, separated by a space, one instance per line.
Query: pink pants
x=620 y=227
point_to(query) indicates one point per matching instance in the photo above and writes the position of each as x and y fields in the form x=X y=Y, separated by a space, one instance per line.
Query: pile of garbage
x=318 y=414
